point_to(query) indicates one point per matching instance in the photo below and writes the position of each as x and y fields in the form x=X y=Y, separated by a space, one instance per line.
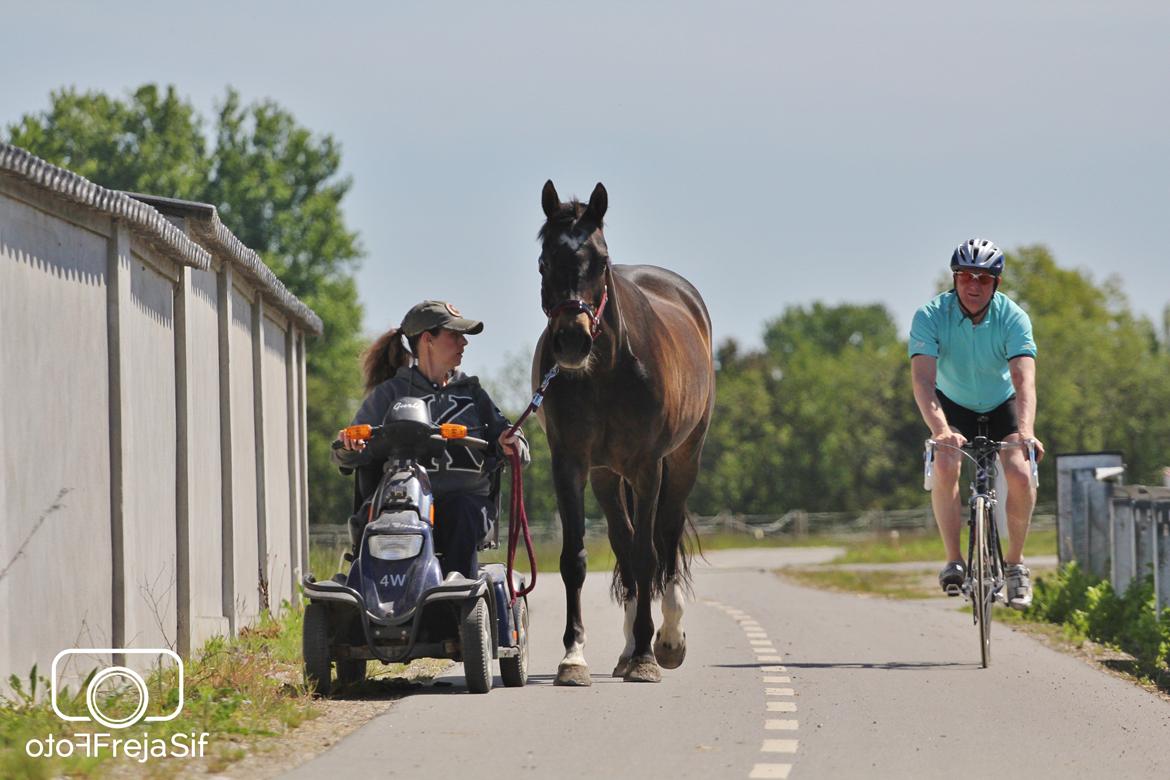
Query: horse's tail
x=674 y=565
x=623 y=587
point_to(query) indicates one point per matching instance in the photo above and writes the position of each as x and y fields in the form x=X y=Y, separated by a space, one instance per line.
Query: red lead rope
x=518 y=526
x=519 y=522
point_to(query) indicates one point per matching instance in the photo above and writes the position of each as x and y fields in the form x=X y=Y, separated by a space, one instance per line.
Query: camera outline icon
x=135 y=679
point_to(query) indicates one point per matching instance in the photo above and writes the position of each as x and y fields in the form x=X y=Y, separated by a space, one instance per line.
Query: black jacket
x=462 y=400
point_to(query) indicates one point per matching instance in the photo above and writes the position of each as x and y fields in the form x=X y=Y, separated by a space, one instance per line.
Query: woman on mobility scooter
x=419 y=359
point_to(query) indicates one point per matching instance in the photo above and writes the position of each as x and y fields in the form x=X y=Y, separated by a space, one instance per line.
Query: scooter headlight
x=395 y=547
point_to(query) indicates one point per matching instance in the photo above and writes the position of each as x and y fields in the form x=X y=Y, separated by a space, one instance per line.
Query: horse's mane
x=569 y=213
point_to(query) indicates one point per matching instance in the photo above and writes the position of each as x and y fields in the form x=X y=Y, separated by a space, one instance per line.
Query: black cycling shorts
x=1000 y=422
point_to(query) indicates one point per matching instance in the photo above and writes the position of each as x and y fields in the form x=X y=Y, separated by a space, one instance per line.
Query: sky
x=774 y=153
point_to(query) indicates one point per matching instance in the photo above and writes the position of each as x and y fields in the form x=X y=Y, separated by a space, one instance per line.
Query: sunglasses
x=982 y=279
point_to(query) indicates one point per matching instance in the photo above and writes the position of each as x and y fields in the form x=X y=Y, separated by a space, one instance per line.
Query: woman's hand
x=350 y=443
x=507 y=443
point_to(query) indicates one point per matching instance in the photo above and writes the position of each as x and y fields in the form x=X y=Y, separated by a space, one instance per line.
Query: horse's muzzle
x=571 y=345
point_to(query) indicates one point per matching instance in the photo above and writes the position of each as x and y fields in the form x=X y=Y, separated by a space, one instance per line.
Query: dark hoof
x=643 y=669
x=670 y=656
x=575 y=675
x=623 y=665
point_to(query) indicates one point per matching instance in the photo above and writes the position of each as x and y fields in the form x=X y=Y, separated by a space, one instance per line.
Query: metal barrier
x=794 y=523
x=1082 y=508
x=1140 y=523
x=1113 y=530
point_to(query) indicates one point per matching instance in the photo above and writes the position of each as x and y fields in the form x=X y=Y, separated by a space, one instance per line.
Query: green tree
x=1102 y=376
x=821 y=419
x=277 y=187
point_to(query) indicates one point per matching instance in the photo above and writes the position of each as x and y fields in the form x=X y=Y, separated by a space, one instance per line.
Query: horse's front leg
x=643 y=666
x=569 y=483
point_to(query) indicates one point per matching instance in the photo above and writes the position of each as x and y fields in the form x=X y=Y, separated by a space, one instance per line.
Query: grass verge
x=887 y=584
x=235 y=690
x=924 y=546
x=244 y=693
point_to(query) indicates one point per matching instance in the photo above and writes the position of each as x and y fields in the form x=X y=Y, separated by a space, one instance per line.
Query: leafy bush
x=1090 y=607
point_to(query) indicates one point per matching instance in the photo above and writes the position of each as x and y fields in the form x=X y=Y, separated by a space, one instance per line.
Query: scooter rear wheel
x=315 y=648
x=476 y=635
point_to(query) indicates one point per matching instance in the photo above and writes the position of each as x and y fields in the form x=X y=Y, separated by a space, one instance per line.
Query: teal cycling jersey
x=973 y=360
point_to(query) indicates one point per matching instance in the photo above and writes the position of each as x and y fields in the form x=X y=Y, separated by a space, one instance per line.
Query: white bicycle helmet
x=978 y=255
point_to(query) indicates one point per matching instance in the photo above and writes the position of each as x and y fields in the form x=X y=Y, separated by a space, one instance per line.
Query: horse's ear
x=549 y=200
x=598 y=203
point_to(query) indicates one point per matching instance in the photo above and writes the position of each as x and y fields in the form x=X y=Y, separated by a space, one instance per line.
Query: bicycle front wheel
x=983 y=594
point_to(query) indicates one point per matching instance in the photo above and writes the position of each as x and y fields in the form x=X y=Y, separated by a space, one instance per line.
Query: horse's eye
x=540 y=264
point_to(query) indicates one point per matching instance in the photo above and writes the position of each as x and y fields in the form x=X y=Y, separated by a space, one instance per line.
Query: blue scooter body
x=394 y=604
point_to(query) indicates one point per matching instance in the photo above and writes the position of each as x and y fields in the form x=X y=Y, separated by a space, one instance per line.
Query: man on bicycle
x=972 y=356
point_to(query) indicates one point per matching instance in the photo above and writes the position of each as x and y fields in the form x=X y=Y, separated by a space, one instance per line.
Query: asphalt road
x=780 y=681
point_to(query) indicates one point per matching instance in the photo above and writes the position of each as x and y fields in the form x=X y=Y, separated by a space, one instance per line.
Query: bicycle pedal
x=954 y=590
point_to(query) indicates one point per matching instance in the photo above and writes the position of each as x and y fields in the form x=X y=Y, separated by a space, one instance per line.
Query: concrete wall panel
x=246 y=546
x=203 y=442
x=54 y=428
x=279 y=517
x=149 y=455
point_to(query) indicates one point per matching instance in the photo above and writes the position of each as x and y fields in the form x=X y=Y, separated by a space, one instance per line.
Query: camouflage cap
x=429 y=315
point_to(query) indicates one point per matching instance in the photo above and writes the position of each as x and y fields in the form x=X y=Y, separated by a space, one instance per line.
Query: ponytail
x=384 y=357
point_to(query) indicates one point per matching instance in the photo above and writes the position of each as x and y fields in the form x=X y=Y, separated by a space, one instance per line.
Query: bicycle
x=984 y=584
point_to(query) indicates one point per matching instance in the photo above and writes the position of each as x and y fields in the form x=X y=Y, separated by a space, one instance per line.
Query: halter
x=579 y=306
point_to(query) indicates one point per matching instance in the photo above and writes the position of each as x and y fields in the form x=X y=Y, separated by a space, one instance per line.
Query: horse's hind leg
x=612 y=493
x=679 y=472
x=643 y=666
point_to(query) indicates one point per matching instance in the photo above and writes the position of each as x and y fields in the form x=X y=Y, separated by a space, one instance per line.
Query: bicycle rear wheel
x=983 y=594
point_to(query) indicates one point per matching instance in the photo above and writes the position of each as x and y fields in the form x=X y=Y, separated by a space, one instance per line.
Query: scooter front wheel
x=475 y=633
x=315 y=648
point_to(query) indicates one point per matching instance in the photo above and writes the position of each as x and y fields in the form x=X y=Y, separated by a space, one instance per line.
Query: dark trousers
x=462 y=522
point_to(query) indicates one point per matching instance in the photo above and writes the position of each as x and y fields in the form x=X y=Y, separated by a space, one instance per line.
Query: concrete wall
x=152 y=478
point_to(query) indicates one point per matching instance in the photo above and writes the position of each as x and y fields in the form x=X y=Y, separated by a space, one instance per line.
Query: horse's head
x=574 y=276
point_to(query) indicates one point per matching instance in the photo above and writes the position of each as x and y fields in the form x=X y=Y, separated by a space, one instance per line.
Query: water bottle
x=1032 y=462
x=928 y=466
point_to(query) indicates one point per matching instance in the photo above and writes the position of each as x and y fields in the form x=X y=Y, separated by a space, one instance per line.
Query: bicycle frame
x=986 y=578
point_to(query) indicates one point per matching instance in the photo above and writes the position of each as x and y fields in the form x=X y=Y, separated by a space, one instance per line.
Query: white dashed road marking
x=781 y=725
x=766 y=652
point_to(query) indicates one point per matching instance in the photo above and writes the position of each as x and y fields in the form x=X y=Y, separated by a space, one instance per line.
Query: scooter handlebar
x=369 y=432
x=467 y=441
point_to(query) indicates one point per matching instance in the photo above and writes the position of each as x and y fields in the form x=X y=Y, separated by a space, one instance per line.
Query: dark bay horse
x=629 y=411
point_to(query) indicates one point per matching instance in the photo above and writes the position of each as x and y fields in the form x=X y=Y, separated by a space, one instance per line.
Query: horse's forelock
x=563 y=220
